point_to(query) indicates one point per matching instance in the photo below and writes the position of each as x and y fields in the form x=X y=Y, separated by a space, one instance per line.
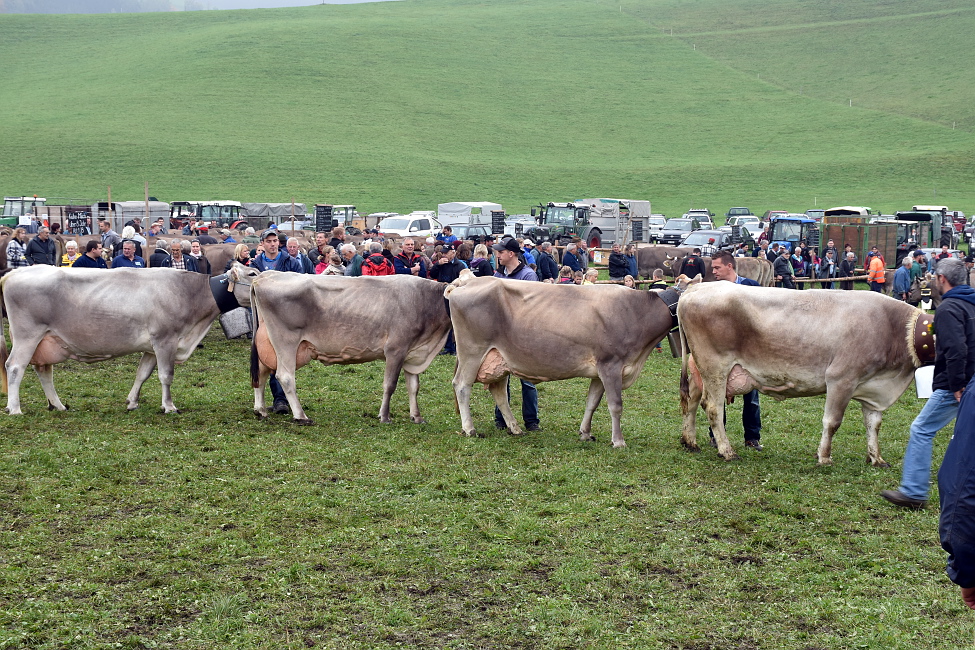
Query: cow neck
x=920 y=338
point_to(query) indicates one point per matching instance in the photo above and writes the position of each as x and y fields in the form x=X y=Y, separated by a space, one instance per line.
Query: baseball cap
x=507 y=244
x=268 y=233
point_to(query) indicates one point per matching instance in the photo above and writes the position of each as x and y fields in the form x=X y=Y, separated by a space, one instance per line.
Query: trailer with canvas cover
x=598 y=222
x=462 y=213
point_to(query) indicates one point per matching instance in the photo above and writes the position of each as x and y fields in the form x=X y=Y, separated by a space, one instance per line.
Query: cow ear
x=697 y=278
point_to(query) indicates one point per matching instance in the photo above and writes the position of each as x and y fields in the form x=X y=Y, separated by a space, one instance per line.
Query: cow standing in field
x=342 y=320
x=733 y=343
x=92 y=315
x=520 y=328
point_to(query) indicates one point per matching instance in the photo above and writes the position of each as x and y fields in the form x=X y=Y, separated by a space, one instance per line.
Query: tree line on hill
x=88 y=6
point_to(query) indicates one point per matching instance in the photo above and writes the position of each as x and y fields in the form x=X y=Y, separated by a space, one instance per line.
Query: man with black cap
x=511 y=267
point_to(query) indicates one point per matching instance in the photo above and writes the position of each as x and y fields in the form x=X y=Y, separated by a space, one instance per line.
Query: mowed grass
x=403 y=105
x=209 y=528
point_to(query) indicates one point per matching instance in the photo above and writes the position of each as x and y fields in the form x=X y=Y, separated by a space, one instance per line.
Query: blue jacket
x=283 y=262
x=546 y=268
x=572 y=261
x=954 y=339
x=902 y=280
x=521 y=272
x=956 y=485
x=631 y=260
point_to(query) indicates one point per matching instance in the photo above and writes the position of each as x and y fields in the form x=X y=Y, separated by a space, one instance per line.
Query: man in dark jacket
x=956 y=486
x=160 y=255
x=548 y=268
x=954 y=367
x=693 y=265
x=42 y=249
x=619 y=266
x=92 y=259
x=447 y=267
x=783 y=271
x=408 y=262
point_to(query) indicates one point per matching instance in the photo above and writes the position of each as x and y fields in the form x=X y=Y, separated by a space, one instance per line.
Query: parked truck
x=598 y=222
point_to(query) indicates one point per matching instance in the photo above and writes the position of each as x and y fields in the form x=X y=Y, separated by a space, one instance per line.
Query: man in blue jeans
x=512 y=268
x=954 y=366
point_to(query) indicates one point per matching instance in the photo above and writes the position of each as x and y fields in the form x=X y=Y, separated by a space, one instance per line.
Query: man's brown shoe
x=898 y=498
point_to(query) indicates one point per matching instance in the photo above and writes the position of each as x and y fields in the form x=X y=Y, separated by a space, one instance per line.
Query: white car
x=410 y=225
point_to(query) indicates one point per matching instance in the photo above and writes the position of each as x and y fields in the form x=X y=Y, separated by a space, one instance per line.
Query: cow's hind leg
x=45 y=374
x=286 y=378
x=260 y=405
x=690 y=401
x=837 y=399
x=872 y=419
x=463 y=385
x=612 y=379
x=146 y=365
x=499 y=390
x=593 y=398
x=413 y=389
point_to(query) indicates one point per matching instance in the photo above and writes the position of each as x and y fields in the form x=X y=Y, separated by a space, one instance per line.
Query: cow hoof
x=131 y=407
x=385 y=420
x=825 y=462
x=473 y=433
x=880 y=463
x=260 y=416
x=730 y=457
x=169 y=411
x=618 y=445
x=690 y=446
x=586 y=437
x=305 y=422
x=418 y=420
x=515 y=432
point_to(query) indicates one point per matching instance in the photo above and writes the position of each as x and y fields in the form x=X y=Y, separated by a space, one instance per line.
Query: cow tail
x=255 y=359
x=3 y=343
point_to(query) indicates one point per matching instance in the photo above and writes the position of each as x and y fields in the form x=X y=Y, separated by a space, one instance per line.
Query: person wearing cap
x=226 y=237
x=693 y=265
x=920 y=265
x=511 y=267
x=875 y=272
x=782 y=269
x=205 y=238
x=273 y=259
x=709 y=248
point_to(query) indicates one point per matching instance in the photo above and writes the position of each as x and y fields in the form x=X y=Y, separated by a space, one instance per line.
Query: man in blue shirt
x=447 y=236
x=510 y=267
x=128 y=258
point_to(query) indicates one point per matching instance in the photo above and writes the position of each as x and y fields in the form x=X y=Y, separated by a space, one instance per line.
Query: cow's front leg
x=413 y=390
x=16 y=366
x=46 y=375
x=166 y=366
x=713 y=399
x=593 y=398
x=872 y=419
x=499 y=390
x=613 y=382
x=146 y=365
x=837 y=399
x=286 y=378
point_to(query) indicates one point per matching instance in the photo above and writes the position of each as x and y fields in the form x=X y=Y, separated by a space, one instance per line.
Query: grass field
x=402 y=105
x=211 y=529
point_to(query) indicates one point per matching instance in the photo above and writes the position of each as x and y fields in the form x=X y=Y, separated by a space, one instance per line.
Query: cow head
x=683 y=283
x=239 y=280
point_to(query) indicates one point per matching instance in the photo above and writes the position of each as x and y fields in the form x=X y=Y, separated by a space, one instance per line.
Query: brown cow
x=725 y=330
x=507 y=327
x=649 y=258
x=342 y=320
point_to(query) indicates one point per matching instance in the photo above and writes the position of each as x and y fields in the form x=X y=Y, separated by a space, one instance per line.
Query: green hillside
x=402 y=105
